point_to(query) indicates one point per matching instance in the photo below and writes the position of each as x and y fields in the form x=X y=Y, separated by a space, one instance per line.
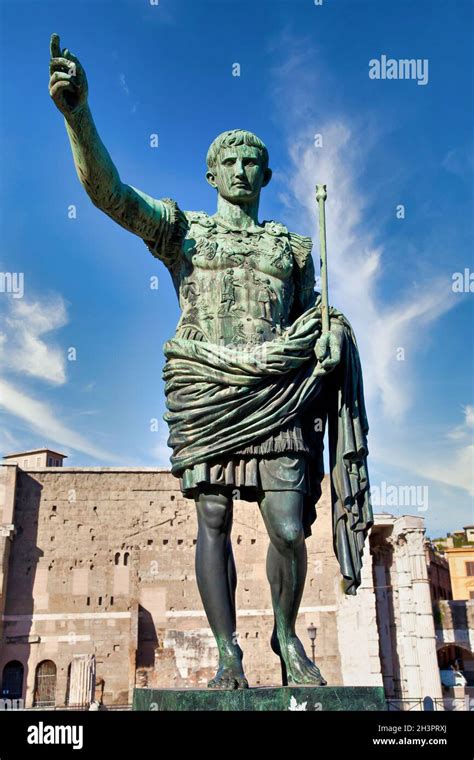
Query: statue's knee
x=214 y=511
x=288 y=536
x=283 y=514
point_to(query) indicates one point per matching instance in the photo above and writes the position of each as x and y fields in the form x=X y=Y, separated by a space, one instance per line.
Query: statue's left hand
x=328 y=349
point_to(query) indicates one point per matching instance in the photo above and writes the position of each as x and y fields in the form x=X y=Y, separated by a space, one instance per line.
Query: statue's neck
x=238 y=216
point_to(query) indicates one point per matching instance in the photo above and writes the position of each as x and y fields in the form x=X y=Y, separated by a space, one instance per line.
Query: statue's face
x=239 y=174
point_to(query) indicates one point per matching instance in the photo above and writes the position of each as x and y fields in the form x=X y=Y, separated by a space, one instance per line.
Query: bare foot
x=297 y=668
x=230 y=674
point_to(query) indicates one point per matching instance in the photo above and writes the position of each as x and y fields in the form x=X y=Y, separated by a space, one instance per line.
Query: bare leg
x=217 y=580
x=286 y=571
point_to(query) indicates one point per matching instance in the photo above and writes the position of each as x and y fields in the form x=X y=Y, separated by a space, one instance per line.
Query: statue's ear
x=267 y=177
x=211 y=179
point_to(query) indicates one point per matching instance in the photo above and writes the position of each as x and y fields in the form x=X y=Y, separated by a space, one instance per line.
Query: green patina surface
x=257 y=370
x=283 y=698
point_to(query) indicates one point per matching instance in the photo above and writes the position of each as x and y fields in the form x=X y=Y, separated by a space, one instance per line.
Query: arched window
x=117 y=558
x=12 y=680
x=45 y=684
x=125 y=558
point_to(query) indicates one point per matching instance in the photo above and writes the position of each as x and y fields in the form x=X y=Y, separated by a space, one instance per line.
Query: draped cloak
x=222 y=398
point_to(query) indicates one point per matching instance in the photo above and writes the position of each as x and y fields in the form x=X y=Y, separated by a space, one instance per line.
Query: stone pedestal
x=281 y=698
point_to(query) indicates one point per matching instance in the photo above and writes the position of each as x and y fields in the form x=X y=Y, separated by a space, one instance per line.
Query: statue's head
x=237 y=163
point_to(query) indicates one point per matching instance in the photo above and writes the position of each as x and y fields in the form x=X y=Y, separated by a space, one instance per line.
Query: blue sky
x=167 y=69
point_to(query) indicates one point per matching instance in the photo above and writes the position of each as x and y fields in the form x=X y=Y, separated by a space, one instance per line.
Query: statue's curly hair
x=232 y=138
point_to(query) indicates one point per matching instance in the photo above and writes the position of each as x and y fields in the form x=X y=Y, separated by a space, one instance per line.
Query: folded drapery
x=223 y=398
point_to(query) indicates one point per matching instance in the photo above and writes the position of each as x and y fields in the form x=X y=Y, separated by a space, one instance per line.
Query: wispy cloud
x=8 y=442
x=23 y=346
x=28 y=351
x=388 y=333
x=454 y=468
x=43 y=420
x=464 y=431
x=433 y=453
x=126 y=89
x=161 y=452
x=124 y=85
x=460 y=161
x=356 y=265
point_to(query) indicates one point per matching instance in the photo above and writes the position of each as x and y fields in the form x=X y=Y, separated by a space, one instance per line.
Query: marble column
x=416 y=640
x=82 y=680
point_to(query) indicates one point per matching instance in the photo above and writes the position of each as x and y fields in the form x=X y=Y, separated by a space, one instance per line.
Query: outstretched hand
x=68 y=81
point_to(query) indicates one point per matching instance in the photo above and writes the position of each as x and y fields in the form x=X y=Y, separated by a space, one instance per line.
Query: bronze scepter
x=321 y=195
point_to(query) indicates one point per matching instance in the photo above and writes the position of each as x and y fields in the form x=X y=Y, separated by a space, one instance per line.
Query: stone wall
x=103 y=563
x=7 y=530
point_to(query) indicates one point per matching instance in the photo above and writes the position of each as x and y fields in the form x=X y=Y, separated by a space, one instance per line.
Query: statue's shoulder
x=183 y=221
x=301 y=245
x=199 y=222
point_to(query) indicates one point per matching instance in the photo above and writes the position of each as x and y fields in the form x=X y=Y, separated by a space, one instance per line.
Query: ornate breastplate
x=238 y=286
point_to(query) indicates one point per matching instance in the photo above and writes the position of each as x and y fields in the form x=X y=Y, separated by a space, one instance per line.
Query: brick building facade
x=97 y=573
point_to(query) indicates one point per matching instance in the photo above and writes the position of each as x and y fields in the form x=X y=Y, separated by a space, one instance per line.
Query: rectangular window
x=469 y=568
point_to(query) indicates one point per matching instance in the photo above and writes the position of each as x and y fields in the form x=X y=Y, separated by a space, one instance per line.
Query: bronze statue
x=252 y=379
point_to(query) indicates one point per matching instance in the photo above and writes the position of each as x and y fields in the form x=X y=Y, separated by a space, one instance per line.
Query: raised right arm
x=131 y=208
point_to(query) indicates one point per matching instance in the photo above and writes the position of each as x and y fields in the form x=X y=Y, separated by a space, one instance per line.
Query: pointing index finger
x=55 y=47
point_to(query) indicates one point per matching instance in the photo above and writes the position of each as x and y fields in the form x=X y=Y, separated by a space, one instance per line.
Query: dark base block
x=281 y=698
